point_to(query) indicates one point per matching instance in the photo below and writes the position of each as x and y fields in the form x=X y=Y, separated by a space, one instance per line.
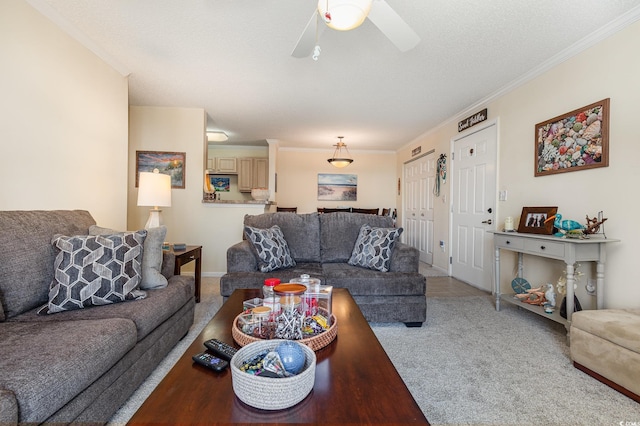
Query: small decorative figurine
x=565 y=226
x=593 y=225
x=550 y=295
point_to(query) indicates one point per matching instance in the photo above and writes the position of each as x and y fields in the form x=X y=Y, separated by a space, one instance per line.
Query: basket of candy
x=294 y=313
x=273 y=374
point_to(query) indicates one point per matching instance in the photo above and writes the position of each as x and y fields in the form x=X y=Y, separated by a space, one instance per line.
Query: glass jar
x=267 y=288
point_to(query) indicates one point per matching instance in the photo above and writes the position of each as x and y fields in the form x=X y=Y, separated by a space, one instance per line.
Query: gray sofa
x=321 y=245
x=76 y=366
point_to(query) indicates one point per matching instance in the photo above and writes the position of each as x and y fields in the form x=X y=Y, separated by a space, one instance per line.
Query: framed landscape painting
x=168 y=163
x=336 y=187
x=577 y=140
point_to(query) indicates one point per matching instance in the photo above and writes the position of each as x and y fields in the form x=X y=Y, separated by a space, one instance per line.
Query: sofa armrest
x=404 y=258
x=8 y=408
x=240 y=258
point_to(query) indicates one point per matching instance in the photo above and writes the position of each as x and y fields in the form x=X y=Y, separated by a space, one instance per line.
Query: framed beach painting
x=168 y=163
x=337 y=187
x=577 y=140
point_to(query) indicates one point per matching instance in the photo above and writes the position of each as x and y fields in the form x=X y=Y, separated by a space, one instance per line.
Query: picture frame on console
x=577 y=140
x=532 y=220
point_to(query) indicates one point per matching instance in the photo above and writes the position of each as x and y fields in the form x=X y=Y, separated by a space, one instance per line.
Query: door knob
x=488 y=222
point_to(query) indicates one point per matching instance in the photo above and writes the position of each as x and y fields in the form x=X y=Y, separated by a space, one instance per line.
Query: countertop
x=254 y=202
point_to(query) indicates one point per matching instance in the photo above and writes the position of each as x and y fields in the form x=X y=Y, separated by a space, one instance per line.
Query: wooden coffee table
x=355 y=381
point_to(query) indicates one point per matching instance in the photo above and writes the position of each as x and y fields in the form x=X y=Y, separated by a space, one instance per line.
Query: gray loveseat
x=79 y=365
x=321 y=245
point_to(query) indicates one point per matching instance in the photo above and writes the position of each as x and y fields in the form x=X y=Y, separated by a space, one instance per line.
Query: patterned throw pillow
x=271 y=247
x=152 y=255
x=96 y=270
x=373 y=247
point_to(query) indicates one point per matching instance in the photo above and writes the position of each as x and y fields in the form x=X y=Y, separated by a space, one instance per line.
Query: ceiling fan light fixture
x=344 y=15
x=339 y=160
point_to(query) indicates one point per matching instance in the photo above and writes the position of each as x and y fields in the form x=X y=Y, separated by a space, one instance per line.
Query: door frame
x=466 y=133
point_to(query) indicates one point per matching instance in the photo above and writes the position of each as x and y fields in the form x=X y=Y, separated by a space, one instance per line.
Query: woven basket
x=269 y=393
x=316 y=342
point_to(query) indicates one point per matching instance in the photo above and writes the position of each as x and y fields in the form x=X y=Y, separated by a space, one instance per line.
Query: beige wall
x=64 y=121
x=188 y=220
x=607 y=70
x=298 y=178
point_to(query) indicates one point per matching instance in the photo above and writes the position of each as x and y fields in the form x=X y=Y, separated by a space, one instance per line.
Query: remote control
x=221 y=349
x=210 y=361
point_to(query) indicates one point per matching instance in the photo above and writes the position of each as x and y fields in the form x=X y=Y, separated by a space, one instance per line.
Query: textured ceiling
x=232 y=58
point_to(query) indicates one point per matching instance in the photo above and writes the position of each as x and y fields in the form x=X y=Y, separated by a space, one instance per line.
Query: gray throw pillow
x=151 y=257
x=95 y=270
x=270 y=247
x=373 y=247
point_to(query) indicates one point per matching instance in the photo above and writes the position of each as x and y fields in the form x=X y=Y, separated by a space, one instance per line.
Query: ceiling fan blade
x=307 y=40
x=393 y=26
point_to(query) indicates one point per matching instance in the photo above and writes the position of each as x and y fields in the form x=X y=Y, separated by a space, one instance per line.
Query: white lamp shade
x=345 y=14
x=154 y=189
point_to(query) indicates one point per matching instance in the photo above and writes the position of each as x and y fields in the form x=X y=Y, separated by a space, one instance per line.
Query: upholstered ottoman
x=606 y=345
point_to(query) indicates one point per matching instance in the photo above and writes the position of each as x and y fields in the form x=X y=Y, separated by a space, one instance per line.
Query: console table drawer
x=544 y=248
x=506 y=242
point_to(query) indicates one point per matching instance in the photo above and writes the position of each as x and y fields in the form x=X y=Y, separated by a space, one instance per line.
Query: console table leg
x=497 y=279
x=600 y=285
x=570 y=293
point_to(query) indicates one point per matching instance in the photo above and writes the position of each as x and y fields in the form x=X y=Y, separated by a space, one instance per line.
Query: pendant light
x=340 y=160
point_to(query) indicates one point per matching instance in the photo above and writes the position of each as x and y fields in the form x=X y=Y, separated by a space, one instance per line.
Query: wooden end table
x=185 y=256
x=355 y=381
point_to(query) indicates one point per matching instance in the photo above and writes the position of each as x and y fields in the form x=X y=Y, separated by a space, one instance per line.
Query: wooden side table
x=186 y=256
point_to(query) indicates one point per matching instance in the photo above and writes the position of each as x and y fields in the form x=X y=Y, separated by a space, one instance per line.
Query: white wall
x=606 y=70
x=64 y=121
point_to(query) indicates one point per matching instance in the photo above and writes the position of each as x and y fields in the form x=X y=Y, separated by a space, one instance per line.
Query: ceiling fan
x=344 y=15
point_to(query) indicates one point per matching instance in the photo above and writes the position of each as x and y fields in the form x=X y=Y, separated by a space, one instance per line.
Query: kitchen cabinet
x=222 y=165
x=252 y=173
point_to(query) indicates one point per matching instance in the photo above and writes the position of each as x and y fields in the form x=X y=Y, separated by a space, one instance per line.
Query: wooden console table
x=568 y=250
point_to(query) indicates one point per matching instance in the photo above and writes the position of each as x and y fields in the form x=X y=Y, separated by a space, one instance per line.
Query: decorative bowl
x=260 y=194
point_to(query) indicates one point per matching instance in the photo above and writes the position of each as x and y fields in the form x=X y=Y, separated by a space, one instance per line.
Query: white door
x=420 y=177
x=474 y=206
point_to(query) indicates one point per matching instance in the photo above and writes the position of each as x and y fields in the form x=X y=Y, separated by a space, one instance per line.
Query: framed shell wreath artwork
x=577 y=140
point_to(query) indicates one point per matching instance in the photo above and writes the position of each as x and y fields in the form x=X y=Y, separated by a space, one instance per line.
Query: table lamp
x=154 y=189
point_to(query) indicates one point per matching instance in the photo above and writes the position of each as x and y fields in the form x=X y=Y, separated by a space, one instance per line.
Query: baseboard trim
x=613 y=385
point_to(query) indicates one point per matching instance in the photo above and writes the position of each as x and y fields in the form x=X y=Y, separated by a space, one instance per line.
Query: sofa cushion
x=271 y=248
x=360 y=281
x=47 y=364
x=301 y=231
x=339 y=231
x=232 y=281
x=373 y=247
x=147 y=314
x=151 y=257
x=96 y=270
x=26 y=258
